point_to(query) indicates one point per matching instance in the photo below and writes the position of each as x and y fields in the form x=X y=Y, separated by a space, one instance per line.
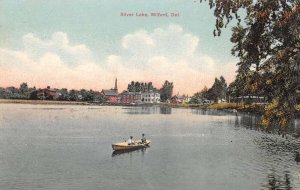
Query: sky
x=87 y=44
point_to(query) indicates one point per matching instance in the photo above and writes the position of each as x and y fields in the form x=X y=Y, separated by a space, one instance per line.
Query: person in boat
x=143 y=138
x=130 y=140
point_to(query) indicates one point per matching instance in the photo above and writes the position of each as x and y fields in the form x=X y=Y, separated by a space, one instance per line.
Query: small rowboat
x=125 y=146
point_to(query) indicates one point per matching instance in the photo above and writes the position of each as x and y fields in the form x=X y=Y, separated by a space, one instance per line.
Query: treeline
x=80 y=95
x=136 y=86
x=165 y=91
x=23 y=92
x=218 y=92
x=32 y=93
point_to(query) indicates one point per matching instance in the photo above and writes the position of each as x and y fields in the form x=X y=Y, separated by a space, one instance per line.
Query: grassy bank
x=184 y=105
x=253 y=108
x=42 y=102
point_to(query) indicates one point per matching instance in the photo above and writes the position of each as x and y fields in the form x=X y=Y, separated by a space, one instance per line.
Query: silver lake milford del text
x=154 y=14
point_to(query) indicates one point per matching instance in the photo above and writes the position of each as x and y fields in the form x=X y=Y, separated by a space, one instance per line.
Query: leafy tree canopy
x=166 y=91
x=267 y=42
x=140 y=87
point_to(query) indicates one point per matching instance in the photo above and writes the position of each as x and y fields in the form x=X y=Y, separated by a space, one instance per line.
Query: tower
x=116 y=85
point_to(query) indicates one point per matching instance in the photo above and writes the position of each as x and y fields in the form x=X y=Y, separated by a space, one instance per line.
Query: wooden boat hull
x=126 y=146
x=119 y=152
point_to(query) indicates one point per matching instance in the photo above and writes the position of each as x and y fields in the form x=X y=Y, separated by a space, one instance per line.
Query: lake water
x=69 y=147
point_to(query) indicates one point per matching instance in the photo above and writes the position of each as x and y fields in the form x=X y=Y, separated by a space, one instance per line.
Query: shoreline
x=234 y=107
x=48 y=102
x=220 y=106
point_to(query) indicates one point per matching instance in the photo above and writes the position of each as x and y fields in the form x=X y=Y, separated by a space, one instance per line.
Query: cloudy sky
x=87 y=44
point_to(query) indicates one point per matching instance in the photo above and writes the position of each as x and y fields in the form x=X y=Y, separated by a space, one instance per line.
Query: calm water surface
x=69 y=147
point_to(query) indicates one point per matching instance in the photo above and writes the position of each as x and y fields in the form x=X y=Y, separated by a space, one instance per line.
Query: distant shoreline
x=250 y=108
x=220 y=106
x=17 y=101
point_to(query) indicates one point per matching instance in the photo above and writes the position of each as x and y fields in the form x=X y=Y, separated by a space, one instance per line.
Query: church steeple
x=116 y=85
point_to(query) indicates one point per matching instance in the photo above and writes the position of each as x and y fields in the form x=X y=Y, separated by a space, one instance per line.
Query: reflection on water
x=251 y=121
x=165 y=110
x=143 y=110
x=275 y=145
x=119 y=152
x=275 y=182
x=210 y=112
x=277 y=148
x=148 y=110
x=69 y=147
x=43 y=108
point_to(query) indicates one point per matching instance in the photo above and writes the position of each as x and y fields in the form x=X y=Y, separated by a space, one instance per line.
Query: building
x=150 y=97
x=129 y=97
x=221 y=100
x=111 y=95
x=178 y=99
x=48 y=94
x=185 y=99
x=249 y=99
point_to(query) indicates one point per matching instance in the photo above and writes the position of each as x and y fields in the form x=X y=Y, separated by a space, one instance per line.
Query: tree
x=218 y=90
x=98 y=97
x=130 y=87
x=204 y=92
x=199 y=97
x=13 y=93
x=137 y=86
x=140 y=87
x=64 y=94
x=166 y=91
x=2 y=93
x=223 y=86
x=267 y=44
x=86 y=95
x=33 y=95
x=73 y=94
x=24 y=87
x=24 y=91
x=149 y=86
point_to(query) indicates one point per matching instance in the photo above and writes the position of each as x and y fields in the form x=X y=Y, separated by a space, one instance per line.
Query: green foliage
x=268 y=47
x=225 y=105
x=166 y=91
x=252 y=108
x=298 y=107
x=25 y=92
x=23 y=88
x=199 y=97
x=140 y=87
x=275 y=115
x=218 y=90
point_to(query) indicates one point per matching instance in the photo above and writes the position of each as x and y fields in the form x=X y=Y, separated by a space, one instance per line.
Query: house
x=250 y=99
x=48 y=94
x=180 y=99
x=184 y=99
x=111 y=95
x=129 y=97
x=221 y=100
x=176 y=100
x=150 y=97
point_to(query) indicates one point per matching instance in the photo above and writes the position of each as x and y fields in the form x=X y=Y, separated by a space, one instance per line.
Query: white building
x=150 y=97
